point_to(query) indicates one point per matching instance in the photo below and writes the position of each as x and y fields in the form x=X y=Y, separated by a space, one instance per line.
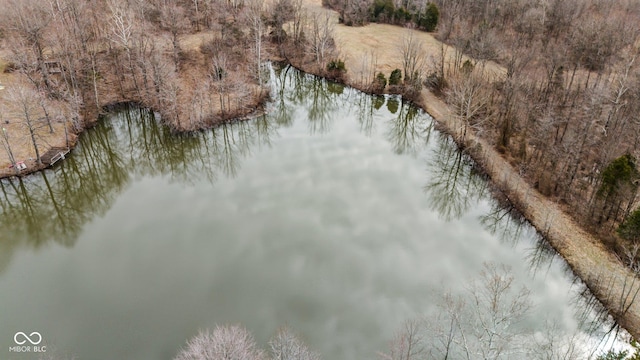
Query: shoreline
x=609 y=280
x=606 y=277
x=612 y=283
x=33 y=167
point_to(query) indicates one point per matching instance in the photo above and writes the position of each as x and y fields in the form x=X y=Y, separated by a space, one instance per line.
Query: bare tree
x=219 y=75
x=21 y=100
x=286 y=346
x=498 y=307
x=469 y=101
x=297 y=25
x=413 y=60
x=551 y=343
x=122 y=23
x=450 y=11
x=558 y=15
x=445 y=329
x=174 y=20
x=224 y=342
x=483 y=45
x=280 y=12
x=6 y=144
x=77 y=43
x=197 y=16
x=29 y=19
x=356 y=12
x=407 y=344
x=254 y=17
x=630 y=288
x=485 y=323
x=321 y=42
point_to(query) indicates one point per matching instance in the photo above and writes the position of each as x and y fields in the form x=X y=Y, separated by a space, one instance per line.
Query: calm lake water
x=338 y=214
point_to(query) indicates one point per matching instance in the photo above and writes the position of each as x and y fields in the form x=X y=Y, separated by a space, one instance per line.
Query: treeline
x=196 y=62
x=421 y=14
x=94 y=53
x=566 y=110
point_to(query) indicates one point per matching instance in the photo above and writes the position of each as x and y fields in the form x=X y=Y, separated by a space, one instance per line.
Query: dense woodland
x=196 y=62
x=566 y=112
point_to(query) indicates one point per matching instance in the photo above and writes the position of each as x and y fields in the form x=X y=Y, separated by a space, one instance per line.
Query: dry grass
x=383 y=42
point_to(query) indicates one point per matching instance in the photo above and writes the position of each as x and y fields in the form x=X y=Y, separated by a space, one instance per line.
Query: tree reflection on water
x=411 y=130
x=55 y=204
x=454 y=184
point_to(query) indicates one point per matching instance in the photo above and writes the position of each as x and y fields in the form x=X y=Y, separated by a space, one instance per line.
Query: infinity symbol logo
x=28 y=338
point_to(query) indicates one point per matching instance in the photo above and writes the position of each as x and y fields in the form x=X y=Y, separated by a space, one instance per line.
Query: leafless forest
x=195 y=62
x=563 y=109
x=567 y=110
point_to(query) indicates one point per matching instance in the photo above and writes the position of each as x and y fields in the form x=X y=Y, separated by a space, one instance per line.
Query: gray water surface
x=338 y=214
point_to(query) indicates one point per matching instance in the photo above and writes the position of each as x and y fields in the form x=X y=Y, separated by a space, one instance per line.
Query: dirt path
x=607 y=278
x=610 y=281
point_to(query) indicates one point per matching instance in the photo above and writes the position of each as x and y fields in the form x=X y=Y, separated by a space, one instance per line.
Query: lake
x=338 y=214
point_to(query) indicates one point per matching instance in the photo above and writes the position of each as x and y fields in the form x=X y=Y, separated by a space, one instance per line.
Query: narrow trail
x=605 y=275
